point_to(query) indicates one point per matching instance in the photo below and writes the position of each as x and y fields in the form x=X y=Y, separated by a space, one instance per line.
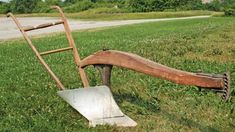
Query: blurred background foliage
x=116 y=6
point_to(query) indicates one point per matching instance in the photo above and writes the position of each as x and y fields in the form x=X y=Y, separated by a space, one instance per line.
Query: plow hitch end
x=227 y=87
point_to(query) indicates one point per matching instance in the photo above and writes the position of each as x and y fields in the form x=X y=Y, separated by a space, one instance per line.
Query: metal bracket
x=226 y=89
x=105 y=71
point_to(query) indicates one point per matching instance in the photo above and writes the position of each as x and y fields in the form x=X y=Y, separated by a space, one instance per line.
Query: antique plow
x=97 y=103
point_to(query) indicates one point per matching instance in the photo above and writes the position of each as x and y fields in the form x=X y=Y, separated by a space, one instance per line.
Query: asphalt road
x=8 y=29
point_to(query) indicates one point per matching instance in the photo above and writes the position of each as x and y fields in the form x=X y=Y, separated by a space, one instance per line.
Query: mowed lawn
x=28 y=96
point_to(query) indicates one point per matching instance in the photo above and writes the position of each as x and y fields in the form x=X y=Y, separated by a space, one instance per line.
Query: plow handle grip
x=8 y=14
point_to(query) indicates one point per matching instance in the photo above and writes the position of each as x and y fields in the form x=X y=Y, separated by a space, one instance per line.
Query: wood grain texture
x=42 y=26
x=55 y=51
x=70 y=39
x=26 y=37
x=140 y=64
x=71 y=44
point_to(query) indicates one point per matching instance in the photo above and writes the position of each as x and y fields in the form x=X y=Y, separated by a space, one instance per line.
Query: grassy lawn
x=28 y=97
x=104 y=14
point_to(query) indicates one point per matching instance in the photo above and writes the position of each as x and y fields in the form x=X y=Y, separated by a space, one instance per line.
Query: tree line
x=41 y=6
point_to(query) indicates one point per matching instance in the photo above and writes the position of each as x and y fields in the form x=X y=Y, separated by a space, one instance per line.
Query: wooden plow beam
x=109 y=58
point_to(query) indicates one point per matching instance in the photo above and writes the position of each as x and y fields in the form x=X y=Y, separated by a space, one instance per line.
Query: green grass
x=28 y=97
x=110 y=14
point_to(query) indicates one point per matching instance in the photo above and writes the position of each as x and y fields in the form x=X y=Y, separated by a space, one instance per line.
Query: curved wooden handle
x=72 y=44
x=59 y=10
x=9 y=14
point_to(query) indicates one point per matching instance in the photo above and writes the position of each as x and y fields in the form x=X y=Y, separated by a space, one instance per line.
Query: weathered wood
x=140 y=64
x=42 y=26
x=70 y=40
x=26 y=37
x=56 y=51
x=72 y=44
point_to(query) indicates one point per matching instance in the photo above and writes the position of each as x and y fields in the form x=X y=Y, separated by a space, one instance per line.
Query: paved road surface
x=8 y=29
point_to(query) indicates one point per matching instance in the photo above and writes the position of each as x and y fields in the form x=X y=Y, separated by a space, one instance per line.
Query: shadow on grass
x=187 y=122
x=152 y=106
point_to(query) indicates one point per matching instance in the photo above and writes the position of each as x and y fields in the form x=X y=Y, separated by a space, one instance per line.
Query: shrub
x=107 y=10
x=215 y=5
x=197 y=5
x=22 y=6
x=104 y=5
x=136 y=5
x=44 y=6
x=229 y=12
x=79 y=6
x=4 y=8
x=41 y=7
x=160 y=5
x=227 y=4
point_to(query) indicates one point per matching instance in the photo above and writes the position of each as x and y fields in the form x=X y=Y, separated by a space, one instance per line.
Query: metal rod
x=56 y=51
x=105 y=71
x=26 y=37
x=72 y=44
x=42 y=26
